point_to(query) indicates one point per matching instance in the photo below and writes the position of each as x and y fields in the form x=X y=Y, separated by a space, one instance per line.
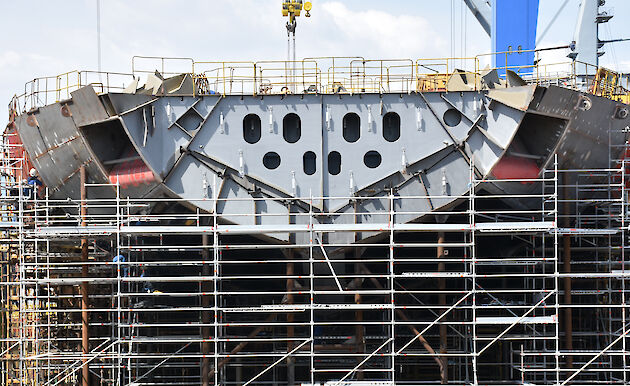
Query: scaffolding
x=105 y=292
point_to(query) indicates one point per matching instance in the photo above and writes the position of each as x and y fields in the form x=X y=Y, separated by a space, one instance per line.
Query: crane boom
x=482 y=10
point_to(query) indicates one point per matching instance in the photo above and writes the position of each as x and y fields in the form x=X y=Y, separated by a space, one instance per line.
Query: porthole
x=271 y=160
x=334 y=163
x=251 y=128
x=452 y=117
x=309 y=160
x=351 y=127
x=621 y=113
x=391 y=127
x=291 y=128
x=372 y=159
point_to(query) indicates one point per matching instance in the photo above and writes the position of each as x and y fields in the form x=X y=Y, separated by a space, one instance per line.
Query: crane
x=292 y=9
x=511 y=24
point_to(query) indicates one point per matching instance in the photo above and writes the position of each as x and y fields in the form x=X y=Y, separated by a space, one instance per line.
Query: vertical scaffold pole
x=85 y=333
x=624 y=310
x=566 y=264
x=205 y=313
x=556 y=284
x=442 y=301
x=473 y=269
x=290 y=270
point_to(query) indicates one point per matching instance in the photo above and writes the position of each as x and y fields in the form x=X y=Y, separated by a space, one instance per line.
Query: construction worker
x=31 y=191
x=148 y=284
x=125 y=268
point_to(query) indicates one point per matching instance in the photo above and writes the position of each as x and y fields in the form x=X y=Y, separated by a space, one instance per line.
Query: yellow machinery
x=291 y=9
x=607 y=83
x=294 y=8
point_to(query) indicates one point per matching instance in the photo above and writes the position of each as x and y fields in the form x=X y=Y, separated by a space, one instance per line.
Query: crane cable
x=98 y=36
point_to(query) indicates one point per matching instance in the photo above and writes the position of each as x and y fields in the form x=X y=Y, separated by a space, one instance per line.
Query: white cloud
x=372 y=33
x=60 y=39
x=9 y=59
x=207 y=30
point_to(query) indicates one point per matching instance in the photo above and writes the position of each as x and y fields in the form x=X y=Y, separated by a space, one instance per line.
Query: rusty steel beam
x=414 y=330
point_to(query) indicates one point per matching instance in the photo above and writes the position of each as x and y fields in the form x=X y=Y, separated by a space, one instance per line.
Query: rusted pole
x=358 y=315
x=290 y=285
x=442 y=301
x=205 y=313
x=414 y=330
x=243 y=344
x=359 y=329
x=568 y=314
x=85 y=333
x=566 y=264
x=290 y=318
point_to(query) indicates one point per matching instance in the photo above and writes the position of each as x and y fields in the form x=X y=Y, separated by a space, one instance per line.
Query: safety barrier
x=326 y=75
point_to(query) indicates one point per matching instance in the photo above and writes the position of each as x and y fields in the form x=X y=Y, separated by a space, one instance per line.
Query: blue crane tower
x=511 y=25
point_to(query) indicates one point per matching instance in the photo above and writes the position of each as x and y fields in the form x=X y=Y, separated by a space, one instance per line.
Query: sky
x=48 y=37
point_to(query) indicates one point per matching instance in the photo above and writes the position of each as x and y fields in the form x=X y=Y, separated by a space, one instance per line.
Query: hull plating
x=302 y=150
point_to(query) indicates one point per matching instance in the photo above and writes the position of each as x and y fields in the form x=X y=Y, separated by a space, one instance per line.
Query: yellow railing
x=325 y=75
x=166 y=66
x=51 y=89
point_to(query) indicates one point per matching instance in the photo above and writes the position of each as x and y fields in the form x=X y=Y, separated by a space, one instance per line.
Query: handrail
x=162 y=60
x=326 y=75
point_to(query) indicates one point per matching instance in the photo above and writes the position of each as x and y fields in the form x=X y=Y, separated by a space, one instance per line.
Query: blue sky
x=46 y=37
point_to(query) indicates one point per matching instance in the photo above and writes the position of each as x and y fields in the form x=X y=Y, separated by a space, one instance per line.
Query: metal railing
x=325 y=75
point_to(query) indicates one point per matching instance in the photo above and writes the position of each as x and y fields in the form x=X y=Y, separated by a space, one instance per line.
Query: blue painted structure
x=514 y=28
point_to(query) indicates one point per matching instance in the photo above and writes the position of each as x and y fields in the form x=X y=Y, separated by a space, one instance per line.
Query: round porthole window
x=291 y=128
x=334 y=163
x=251 y=128
x=452 y=117
x=309 y=163
x=271 y=160
x=351 y=127
x=391 y=127
x=372 y=159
